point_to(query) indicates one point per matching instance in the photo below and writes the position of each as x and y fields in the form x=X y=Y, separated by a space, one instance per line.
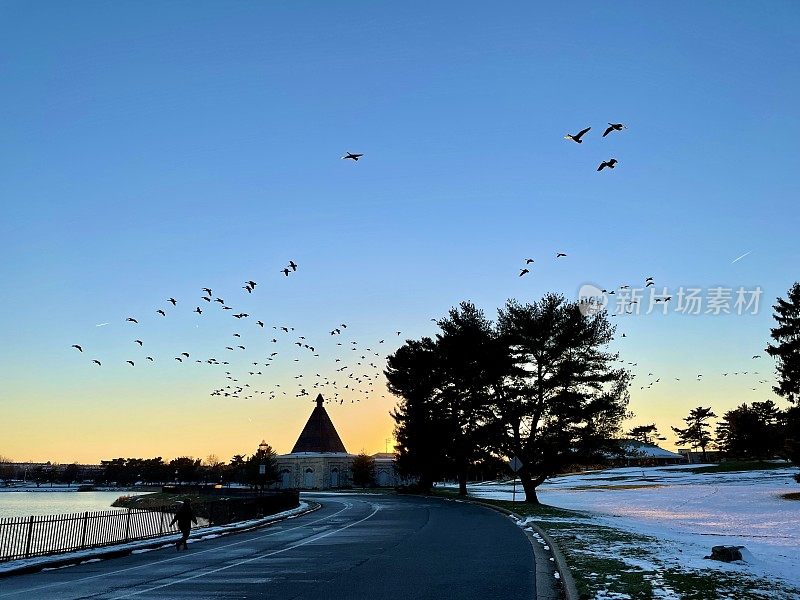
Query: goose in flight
x=174 y=302
x=198 y=311
x=560 y=254
x=138 y=342
x=285 y=271
x=528 y=261
x=577 y=137
x=610 y=163
x=76 y=346
x=150 y=358
x=352 y=156
x=523 y=272
x=613 y=127
x=161 y=312
x=207 y=291
x=132 y=320
x=292 y=265
x=131 y=362
x=97 y=361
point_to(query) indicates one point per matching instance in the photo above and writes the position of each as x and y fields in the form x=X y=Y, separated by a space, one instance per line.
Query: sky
x=151 y=149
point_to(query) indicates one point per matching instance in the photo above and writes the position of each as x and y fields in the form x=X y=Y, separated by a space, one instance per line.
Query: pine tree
x=697 y=432
x=363 y=470
x=786 y=349
x=647 y=434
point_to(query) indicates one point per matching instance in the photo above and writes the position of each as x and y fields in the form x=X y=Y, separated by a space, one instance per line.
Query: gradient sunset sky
x=150 y=149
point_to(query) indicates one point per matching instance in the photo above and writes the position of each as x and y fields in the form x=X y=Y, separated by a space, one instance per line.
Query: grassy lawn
x=740 y=465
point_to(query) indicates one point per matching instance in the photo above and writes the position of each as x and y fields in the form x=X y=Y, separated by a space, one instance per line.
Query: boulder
x=726 y=553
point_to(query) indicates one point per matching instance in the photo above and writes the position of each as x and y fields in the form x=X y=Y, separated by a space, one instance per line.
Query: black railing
x=27 y=537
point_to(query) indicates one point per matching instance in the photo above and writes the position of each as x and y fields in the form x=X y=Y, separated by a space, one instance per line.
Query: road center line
x=252 y=559
x=167 y=560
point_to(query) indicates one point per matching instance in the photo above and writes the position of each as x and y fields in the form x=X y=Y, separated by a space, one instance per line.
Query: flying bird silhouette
x=352 y=156
x=523 y=272
x=161 y=312
x=613 y=127
x=150 y=358
x=577 y=137
x=96 y=361
x=610 y=163
x=528 y=261
x=138 y=342
x=207 y=291
x=131 y=362
x=198 y=311
x=292 y=265
x=76 y=346
x=560 y=254
x=132 y=320
x=174 y=302
x=285 y=271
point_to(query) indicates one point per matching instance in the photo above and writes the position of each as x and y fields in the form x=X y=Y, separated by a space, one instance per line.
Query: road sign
x=515 y=464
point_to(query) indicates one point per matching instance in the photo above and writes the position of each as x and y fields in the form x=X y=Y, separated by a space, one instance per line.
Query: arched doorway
x=308 y=479
x=286 y=479
x=334 y=477
x=383 y=478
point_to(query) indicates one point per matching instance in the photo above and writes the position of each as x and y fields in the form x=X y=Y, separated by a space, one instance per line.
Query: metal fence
x=26 y=537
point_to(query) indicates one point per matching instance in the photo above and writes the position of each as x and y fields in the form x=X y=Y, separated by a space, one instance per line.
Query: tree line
x=540 y=384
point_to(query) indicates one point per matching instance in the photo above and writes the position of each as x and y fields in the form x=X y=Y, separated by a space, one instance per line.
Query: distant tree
x=786 y=347
x=752 y=432
x=363 y=470
x=69 y=473
x=185 y=468
x=213 y=468
x=238 y=468
x=470 y=363
x=154 y=470
x=786 y=351
x=265 y=456
x=565 y=398
x=647 y=434
x=7 y=470
x=115 y=471
x=412 y=374
x=697 y=432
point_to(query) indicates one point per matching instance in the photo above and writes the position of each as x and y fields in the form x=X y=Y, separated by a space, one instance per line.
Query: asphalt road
x=365 y=547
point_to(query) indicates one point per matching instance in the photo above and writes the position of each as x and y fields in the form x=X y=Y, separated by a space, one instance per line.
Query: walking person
x=185 y=517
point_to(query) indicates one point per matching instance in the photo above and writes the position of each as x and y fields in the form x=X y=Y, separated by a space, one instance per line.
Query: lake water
x=25 y=504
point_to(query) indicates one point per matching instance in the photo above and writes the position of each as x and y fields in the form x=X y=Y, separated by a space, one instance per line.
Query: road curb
x=70 y=558
x=567 y=582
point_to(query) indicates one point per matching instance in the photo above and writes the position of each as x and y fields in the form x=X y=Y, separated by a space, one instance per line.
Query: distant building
x=694 y=456
x=640 y=454
x=319 y=460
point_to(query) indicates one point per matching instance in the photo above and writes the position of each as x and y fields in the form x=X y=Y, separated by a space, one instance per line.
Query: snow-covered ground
x=690 y=512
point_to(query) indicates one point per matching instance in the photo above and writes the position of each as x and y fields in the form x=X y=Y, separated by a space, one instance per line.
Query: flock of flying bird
x=359 y=381
x=354 y=375
x=578 y=139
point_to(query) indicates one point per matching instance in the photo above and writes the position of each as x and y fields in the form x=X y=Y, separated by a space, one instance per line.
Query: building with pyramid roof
x=319 y=460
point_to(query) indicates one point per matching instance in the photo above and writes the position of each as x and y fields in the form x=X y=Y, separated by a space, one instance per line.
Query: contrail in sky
x=741 y=257
x=101 y=324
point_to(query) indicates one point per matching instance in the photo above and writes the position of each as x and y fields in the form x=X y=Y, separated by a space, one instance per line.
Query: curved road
x=374 y=547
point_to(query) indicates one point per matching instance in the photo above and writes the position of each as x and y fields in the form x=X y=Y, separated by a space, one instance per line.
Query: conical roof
x=319 y=434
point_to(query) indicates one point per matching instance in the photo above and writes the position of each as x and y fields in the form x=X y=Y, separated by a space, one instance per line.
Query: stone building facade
x=319 y=460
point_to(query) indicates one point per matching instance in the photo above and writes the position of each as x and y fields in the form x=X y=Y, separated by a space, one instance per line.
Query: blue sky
x=152 y=149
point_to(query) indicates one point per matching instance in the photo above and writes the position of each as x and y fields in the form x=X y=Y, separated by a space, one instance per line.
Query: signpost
x=516 y=465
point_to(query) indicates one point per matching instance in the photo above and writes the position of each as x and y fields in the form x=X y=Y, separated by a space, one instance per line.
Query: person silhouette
x=184 y=516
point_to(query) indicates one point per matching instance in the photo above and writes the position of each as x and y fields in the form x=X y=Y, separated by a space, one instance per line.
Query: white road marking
x=166 y=560
x=252 y=559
